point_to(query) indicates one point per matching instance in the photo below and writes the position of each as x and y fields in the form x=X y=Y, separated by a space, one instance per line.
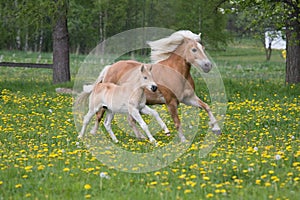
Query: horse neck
x=178 y=63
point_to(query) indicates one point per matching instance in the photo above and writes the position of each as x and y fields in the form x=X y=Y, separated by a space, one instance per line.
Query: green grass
x=257 y=157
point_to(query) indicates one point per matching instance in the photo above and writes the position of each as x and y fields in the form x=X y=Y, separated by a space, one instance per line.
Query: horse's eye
x=194 y=50
x=145 y=77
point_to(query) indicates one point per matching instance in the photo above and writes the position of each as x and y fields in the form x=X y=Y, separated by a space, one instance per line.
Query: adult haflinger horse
x=173 y=57
x=126 y=98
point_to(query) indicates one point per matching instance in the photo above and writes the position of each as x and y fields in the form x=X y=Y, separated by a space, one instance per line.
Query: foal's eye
x=145 y=77
x=194 y=50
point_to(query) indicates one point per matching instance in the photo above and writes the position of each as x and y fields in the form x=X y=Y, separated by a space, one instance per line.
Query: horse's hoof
x=168 y=134
x=141 y=137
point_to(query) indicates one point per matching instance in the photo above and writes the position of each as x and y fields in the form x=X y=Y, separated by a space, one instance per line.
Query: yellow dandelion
x=153 y=183
x=157 y=173
x=66 y=169
x=87 y=186
x=41 y=167
x=187 y=191
x=1 y=182
x=209 y=195
x=87 y=196
x=267 y=184
x=25 y=176
x=27 y=195
x=18 y=185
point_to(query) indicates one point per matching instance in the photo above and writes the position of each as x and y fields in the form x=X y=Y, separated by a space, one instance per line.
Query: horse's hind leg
x=136 y=131
x=86 y=120
x=99 y=116
x=172 y=107
x=107 y=125
x=148 y=111
x=136 y=115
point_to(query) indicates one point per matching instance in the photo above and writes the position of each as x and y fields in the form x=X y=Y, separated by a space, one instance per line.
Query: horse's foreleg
x=195 y=101
x=99 y=116
x=136 y=115
x=107 y=125
x=172 y=107
x=136 y=131
x=148 y=111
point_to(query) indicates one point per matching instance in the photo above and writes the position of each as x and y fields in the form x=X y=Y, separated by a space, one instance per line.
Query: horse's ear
x=150 y=67
x=200 y=36
x=142 y=68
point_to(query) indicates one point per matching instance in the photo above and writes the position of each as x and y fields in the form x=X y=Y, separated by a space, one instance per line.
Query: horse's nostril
x=153 y=88
x=208 y=64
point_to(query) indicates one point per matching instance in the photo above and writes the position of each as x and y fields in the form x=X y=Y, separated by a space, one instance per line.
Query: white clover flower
x=50 y=110
x=277 y=157
x=104 y=175
x=255 y=148
x=293 y=137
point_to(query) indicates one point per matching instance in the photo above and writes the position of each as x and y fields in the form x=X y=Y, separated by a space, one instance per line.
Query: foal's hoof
x=168 y=134
x=217 y=132
x=183 y=140
x=93 y=132
x=116 y=141
x=153 y=141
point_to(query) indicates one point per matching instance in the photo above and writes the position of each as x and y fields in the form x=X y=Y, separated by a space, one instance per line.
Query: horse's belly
x=154 y=98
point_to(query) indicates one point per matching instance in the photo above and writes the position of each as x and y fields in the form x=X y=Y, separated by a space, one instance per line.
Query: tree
x=284 y=14
x=61 y=65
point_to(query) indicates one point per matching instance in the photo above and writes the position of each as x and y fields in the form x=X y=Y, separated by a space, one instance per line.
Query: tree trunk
x=293 y=53
x=61 y=65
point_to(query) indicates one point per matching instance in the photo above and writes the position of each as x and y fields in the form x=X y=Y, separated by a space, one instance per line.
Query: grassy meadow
x=256 y=157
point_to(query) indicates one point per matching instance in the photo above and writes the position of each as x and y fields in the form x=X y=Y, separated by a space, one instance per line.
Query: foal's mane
x=161 y=49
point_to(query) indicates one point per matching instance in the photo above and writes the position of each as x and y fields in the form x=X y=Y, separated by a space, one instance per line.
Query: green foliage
x=27 y=24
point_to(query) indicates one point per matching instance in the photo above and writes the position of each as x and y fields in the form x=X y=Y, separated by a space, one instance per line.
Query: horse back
x=118 y=70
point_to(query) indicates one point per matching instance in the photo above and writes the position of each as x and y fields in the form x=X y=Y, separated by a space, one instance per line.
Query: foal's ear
x=142 y=68
x=150 y=67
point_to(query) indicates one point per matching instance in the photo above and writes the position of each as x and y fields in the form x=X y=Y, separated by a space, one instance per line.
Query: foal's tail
x=82 y=97
x=87 y=89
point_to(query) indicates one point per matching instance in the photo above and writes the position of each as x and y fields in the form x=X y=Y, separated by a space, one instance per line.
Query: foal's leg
x=107 y=125
x=148 y=111
x=86 y=120
x=195 y=101
x=136 y=115
x=132 y=123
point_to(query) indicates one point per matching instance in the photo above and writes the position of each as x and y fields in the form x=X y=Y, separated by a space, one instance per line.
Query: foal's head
x=146 y=78
x=193 y=53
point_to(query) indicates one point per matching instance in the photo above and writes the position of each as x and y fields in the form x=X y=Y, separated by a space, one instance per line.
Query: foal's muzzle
x=153 y=88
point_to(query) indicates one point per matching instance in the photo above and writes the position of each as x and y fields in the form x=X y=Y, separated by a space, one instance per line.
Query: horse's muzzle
x=153 y=88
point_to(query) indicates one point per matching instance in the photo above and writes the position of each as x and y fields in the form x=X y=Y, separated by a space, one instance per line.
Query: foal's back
x=112 y=96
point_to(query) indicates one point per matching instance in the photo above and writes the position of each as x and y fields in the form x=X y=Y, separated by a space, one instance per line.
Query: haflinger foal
x=126 y=98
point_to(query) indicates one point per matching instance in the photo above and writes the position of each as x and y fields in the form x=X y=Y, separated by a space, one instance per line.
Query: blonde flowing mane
x=162 y=48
